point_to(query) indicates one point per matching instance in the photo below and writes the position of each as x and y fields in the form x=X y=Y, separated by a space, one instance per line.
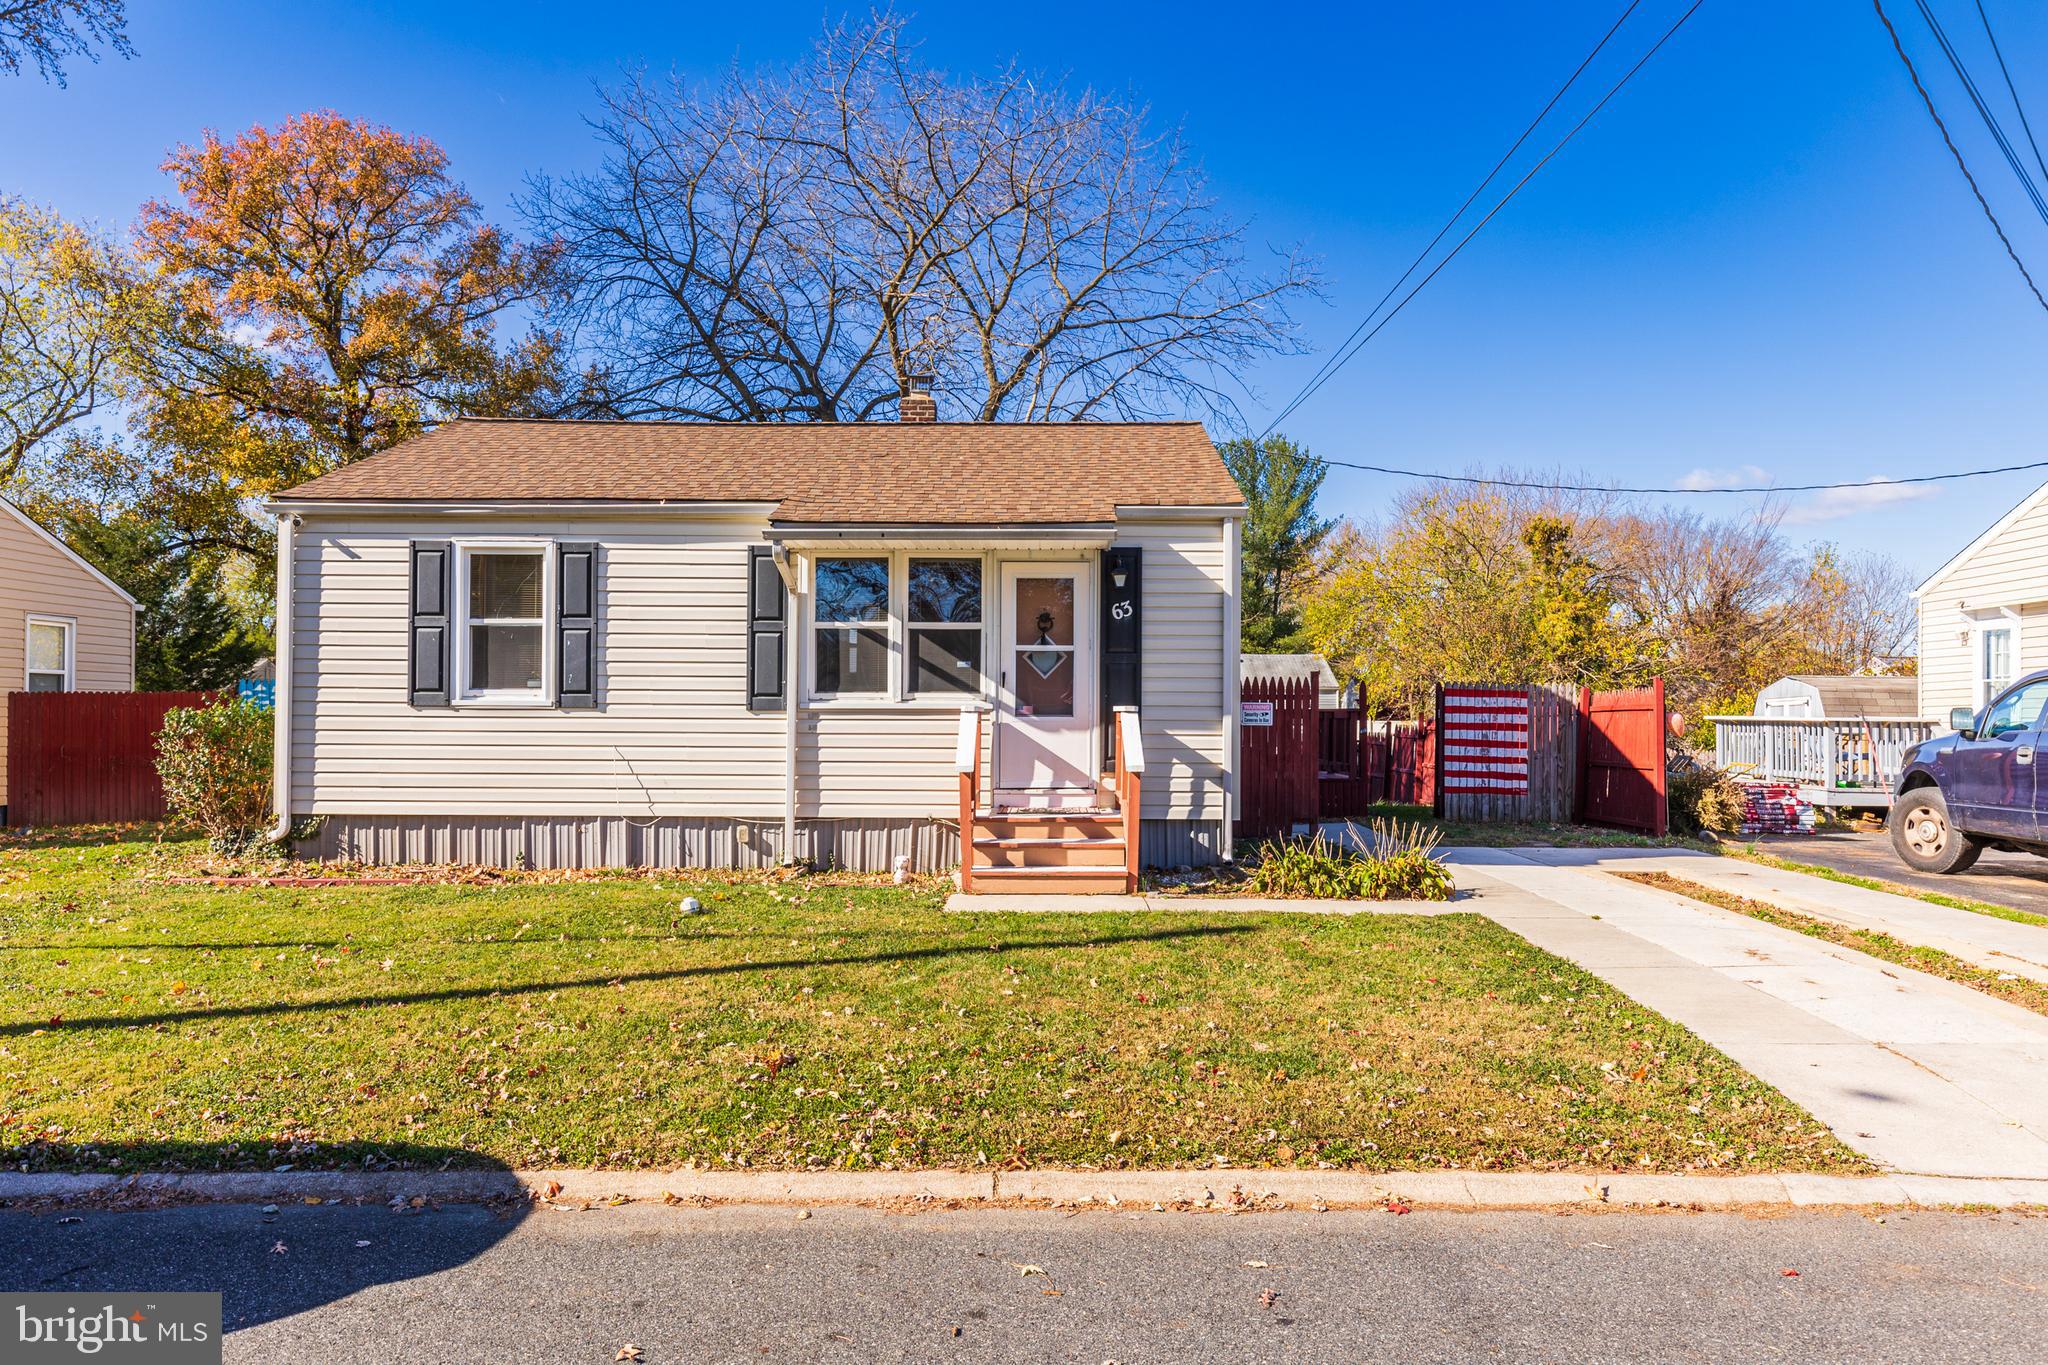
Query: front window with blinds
x=504 y=631
x=50 y=657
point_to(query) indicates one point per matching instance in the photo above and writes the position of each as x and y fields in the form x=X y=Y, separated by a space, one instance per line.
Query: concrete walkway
x=1918 y=1073
x=1985 y=941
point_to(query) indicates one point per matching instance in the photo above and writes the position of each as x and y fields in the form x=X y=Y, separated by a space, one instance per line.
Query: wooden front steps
x=1052 y=852
x=1063 y=852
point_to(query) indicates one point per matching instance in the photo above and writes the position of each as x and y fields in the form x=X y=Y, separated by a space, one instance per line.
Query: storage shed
x=1819 y=696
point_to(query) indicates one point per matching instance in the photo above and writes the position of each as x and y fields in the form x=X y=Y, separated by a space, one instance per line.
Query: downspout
x=1233 y=607
x=791 y=568
x=281 y=684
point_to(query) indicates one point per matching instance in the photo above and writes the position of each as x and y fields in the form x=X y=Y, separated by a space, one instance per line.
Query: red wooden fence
x=1621 y=759
x=78 y=757
x=1277 y=763
x=1401 y=761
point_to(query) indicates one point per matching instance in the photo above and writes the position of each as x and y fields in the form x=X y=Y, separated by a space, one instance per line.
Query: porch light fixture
x=1117 y=576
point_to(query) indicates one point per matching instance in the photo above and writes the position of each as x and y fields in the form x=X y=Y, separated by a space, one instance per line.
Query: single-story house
x=1984 y=614
x=64 y=625
x=566 y=643
x=1288 y=667
x=1820 y=696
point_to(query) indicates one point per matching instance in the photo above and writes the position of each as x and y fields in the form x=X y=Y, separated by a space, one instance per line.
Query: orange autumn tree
x=327 y=290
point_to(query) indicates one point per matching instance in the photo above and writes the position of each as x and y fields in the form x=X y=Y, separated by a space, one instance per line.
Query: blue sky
x=1759 y=257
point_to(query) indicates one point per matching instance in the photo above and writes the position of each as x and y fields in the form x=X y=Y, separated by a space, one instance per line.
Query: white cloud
x=1703 y=480
x=254 y=335
x=1832 y=503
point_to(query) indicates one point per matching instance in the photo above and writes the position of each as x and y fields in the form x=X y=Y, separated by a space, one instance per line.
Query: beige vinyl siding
x=38 y=579
x=1184 y=660
x=673 y=736
x=2009 y=571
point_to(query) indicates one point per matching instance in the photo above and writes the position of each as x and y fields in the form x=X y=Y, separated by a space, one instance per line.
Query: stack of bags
x=1775 y=808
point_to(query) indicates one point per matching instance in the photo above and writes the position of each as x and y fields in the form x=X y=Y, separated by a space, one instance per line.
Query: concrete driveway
x=1916 y=1072
x=2018 y=881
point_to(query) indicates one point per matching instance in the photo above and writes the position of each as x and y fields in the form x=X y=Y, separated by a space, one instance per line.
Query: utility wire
x=1423 y=283
x=1555 y=486
x=1961 y=165
x=1452 y=221
x=1984 y=113
x=2012 y=90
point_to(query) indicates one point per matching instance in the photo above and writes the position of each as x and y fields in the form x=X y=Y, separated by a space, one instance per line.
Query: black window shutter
x=576 y=624
x=1123 y=630
x=767 y=631
x=427 y=641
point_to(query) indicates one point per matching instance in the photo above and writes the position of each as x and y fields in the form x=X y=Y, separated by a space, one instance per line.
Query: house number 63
x=1119 y=611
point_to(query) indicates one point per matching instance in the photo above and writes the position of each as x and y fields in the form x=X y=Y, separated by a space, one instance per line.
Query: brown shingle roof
x=938 y=473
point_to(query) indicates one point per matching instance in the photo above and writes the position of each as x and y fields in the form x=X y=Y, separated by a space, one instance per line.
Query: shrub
x=1702 y=797
x=1401 y=866
x=215 y=766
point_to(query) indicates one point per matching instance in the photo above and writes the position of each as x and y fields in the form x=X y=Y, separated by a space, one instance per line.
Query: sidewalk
x=1918 y=1073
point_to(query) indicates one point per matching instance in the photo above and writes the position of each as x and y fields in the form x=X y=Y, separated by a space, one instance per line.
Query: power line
x=1423 y=283
x=1557 y=487
x=1961 y=165
x=1990 y=120
x=2012 y=90
x=1452 y=221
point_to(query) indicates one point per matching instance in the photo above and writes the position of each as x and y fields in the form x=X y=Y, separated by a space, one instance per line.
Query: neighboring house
x=1329 y=693
x=64 y=625
x=1984 y=614
x=1820 y=696
x=571 y=643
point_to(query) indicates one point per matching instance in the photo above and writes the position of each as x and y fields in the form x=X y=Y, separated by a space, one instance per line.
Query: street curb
x=1225 y=1190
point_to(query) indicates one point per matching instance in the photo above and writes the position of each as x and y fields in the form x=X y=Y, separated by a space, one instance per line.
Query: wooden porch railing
x=967 y=762
x=1852 y=760
x=1130 y=787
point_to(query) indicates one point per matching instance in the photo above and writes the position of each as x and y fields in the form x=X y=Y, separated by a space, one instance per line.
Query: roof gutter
x=281 y=695
x=417 y=507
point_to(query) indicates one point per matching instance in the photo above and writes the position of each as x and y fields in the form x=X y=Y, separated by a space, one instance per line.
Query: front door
x=1990 y=779
x=1045 y=687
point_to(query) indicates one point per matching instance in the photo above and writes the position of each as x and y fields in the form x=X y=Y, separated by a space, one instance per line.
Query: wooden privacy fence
x=1505 y=752
x=79 y=757
x=1621 y=764
x=1277 y=778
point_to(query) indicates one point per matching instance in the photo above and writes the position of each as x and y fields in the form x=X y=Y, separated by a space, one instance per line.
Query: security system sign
x=1255 y=713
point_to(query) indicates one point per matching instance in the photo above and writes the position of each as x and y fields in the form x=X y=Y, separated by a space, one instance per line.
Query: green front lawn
x=811 y=1023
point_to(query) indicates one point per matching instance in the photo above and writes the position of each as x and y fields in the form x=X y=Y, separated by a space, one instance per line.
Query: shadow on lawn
x=117 y=1021
x=328 y=1252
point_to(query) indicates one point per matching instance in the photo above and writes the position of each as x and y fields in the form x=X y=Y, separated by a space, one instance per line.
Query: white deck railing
x=1848 y=761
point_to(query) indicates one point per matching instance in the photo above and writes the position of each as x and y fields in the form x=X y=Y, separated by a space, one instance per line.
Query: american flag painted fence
x=1507 y=752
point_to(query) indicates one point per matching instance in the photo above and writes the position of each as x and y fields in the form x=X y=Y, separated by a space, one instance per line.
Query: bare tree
x=795 y=246
x=46 y=32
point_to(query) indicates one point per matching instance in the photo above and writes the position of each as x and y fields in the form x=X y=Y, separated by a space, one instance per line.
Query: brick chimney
x=917 y=403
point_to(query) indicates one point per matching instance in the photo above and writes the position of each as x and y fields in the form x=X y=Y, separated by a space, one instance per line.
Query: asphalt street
x=466 y=1283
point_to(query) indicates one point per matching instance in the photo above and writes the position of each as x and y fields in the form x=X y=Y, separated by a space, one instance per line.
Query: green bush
x=215 y=766
x=1401 y=866
x=1702 y=797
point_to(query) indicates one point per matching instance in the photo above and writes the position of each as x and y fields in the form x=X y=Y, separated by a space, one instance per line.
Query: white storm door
x=1045 y=687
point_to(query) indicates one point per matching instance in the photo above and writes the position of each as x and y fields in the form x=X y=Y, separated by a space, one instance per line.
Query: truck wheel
x=1926 y=839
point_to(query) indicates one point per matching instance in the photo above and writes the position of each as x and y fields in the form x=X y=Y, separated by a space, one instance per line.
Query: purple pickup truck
x=1978 y=788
